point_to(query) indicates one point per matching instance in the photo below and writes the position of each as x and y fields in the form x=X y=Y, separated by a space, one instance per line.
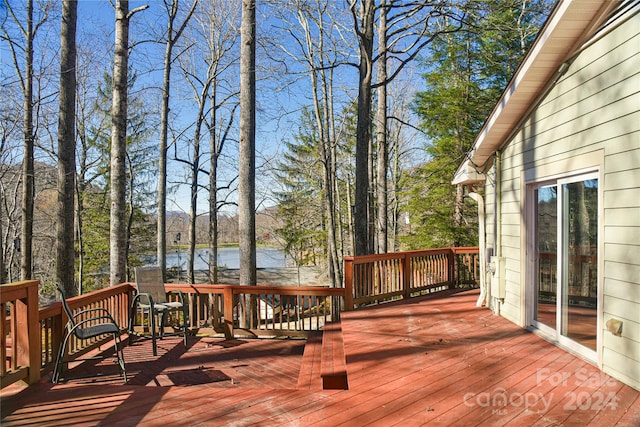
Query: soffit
x=565 y=30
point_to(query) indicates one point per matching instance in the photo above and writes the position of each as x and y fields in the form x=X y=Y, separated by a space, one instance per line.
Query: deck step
x=309 y=377
x=333 y=365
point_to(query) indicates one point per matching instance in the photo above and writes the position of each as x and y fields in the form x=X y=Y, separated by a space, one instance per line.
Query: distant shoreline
x=281 y=276
x=220 y=245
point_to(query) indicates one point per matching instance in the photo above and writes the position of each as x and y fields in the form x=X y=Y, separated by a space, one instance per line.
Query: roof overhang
x=568 y=27
x=468 y=174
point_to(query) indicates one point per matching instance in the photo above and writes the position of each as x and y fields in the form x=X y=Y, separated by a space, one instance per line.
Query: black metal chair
x=151 y=301
x=86 y=325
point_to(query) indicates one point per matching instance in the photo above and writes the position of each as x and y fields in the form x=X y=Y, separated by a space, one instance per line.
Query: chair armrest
x=145 y=295
x=179 y=293
x=184 y=302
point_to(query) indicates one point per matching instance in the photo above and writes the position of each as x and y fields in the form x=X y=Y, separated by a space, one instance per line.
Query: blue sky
x=278 y=105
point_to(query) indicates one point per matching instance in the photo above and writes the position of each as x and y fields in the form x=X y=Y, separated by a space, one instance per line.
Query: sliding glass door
x=565 y=232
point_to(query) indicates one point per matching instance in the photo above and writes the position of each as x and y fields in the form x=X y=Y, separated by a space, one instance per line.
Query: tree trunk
x=246 y=184
x=337 y=237
x=321 y=84
x=118 y=224
x=195 y=173
x=118 y=218
x=381 y=135
x=371 y=180
x=350 y=221
x=364 y=30
x=246 y=190
x=28 y=187
x=213 y=190
x=395 y=189
x=65 y=256
x=79 y=233
x=161 y=245
x=172 y=11
x=193 y=205
x=129 y=207
x=330 y=175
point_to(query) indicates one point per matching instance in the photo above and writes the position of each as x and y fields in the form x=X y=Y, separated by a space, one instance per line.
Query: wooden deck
x=435 y=361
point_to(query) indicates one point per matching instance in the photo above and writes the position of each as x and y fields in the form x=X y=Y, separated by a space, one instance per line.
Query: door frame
x=570 y=170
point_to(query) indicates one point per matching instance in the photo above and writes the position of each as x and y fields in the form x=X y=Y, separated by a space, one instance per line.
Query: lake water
x=228 y=257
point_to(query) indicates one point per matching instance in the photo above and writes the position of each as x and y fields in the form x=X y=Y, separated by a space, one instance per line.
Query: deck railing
x=290 y=311
x=384 y=277
x=30 y=336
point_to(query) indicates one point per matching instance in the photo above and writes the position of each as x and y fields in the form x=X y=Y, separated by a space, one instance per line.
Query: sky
x=276 y=115
x=278 y=106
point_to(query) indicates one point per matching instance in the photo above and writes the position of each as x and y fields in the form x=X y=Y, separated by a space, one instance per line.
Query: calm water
x=228 y=257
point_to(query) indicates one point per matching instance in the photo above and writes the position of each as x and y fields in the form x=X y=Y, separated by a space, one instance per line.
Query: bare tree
x=118 y=222
x=316 y=44
x=201 y=94
x=381 y=134
x=212 y=38
x=65 y=253
x=10 y=205
x=28 y=188
x=173 y=35
x=10 y=118
x=363 y=18
x=222 y=35
x=401 y=148
x=28 y=30
x=246 y=184
x=406 y=27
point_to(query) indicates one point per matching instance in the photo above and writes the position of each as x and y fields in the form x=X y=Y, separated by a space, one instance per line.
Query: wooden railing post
x=228 y=312
x=27 y=347
x=35 y=340
x=406 y=275
x=348 y=283
x=451 y=264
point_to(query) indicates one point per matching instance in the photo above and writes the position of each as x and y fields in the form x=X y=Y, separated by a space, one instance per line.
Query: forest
x=127 y=127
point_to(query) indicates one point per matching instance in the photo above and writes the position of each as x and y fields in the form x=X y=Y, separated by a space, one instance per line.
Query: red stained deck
x=435 y=361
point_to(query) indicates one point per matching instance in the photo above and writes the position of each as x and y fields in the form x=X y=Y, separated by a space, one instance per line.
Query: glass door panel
x=565 y=258
x=546 y=219
x=579 y=262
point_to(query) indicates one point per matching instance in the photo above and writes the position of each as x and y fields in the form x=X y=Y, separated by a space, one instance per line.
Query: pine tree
x=300 y=202
x=466 y=74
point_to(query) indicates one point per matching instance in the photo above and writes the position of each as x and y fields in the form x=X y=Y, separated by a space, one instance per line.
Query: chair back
x=65 y=306
x=149 y=281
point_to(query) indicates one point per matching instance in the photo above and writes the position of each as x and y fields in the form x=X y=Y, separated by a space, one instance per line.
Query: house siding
x=592 y=111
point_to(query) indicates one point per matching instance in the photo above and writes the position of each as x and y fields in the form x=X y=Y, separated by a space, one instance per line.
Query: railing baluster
x=3 y=337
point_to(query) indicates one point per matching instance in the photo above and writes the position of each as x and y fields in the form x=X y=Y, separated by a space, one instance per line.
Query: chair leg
x=185 y=326
x=132 y=316
x=152 y=320
x=58 y=369
x=120 y=355
x=163 y=322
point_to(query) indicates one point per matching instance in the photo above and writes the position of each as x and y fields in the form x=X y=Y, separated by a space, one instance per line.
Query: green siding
x=593 y=107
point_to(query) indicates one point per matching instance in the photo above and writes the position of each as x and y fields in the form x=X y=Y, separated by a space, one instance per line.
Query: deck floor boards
x=438 y=360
